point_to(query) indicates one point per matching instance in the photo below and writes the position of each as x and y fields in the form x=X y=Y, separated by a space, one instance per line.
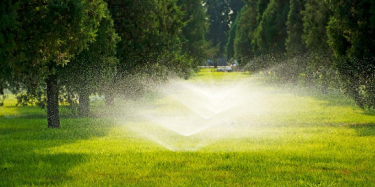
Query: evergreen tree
x=271 y=33
x=315 y=21
x=218 y=15
x=261 y=7
x=247 y=23
x=94 y=68
x=294 y=43
x=351 y=36
x=235 y=8
x=48 y=35
x=232 y=36
x=195 y=29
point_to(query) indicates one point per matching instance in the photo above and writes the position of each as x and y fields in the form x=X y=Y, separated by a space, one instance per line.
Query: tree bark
x=84 y=104
x=53 y=114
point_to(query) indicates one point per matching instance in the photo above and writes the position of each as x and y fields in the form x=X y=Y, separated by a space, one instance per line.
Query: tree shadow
x=364 y=130
x=38 y=169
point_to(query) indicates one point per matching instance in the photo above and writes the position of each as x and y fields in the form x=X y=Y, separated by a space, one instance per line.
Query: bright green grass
x=297 y=138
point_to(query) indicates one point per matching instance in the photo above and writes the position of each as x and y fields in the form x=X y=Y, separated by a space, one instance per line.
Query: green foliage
x=94 y=67
x=247 y=24
x=315 y=21
x=193 y=33
x=219 y=19
x=271 y=33
x=147 y=29
x=261 y=7
x=231 y=38
x=351 y=37
x=294 y=43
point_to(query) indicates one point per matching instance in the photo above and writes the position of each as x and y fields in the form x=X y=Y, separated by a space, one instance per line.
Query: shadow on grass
x=38 y=169
x=22 y=137
x=364 y=129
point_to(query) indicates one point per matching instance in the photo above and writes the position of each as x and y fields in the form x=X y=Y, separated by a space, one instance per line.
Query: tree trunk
x=53 y=114
x=84 y=104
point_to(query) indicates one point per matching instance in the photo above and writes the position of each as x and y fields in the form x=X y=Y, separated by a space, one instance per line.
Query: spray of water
x=190 y=115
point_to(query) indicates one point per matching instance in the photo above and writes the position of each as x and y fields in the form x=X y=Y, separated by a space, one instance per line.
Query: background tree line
x=59 y=51
x=327 y=43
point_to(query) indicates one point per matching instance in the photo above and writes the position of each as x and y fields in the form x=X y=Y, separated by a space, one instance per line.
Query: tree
x=261 y=7
x=195 y=29
x=271 y=34
x=218 y=15
x=315 y=21
x=150 y=38
x=93 y=68
x=247 y=23
x=47 y=35
x=351 y=37
x=231 y=38
x=294 y=43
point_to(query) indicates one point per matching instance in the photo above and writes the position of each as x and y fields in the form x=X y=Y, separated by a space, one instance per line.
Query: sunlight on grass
x=279 y=137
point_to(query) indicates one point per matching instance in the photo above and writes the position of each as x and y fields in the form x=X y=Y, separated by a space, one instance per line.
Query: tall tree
x=351 y=36
x=235 y=8
x=247 y=24
x=261 y=7
x=294 y=43
x=93 y=68
x=271 y=34
x=47 y=35
x=232 y=37
x=218 y=15
x=193 y=33
x=149 y=32
x=315 y=21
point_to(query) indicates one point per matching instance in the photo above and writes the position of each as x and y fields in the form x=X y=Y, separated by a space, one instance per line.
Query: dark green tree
x=235 y=8
x=150 y=38
x=351 y=37
x=271 y=33
x=247 y=23
x=94 y=68
x=231 y=38
x=261 y=7
x=218 y=16
x=315 y=21
x=294 y=43
x=46 y=36
x=195 y=29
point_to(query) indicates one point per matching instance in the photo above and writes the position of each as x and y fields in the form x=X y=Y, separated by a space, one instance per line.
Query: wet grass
x=293 y=139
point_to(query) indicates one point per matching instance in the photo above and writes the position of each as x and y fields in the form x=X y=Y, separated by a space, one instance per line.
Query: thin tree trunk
x=84 y=104
x=53 y=114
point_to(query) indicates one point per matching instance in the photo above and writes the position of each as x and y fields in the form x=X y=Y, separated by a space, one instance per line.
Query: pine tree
x=351 y=36
x=247 y=23
x=271 y=33
x=294 y=43
x=195 y=29
x=315 y=21
x=48 y=35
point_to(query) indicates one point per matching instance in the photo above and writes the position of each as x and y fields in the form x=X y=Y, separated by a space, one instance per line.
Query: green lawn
x=281 y=136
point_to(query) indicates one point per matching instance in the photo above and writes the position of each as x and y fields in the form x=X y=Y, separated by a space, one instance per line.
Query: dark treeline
x=325 y=43
x=57 y=51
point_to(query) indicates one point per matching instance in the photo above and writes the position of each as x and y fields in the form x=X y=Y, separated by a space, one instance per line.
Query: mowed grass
x=291 y=137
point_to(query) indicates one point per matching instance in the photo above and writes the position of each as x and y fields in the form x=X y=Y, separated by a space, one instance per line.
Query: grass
x=288 y=137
